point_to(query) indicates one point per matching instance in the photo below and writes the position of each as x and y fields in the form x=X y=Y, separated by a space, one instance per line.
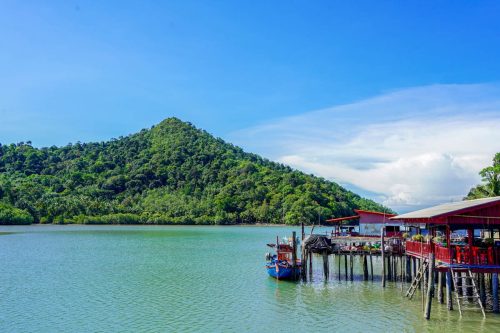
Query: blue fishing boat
x=280 y=266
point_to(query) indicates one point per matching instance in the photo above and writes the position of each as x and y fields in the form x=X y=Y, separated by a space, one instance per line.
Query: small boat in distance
x=280 y=265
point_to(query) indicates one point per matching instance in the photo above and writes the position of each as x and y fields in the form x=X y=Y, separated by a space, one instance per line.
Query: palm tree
x=491 y=179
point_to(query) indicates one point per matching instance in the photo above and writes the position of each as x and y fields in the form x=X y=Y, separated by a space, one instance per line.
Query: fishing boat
x=280 y=265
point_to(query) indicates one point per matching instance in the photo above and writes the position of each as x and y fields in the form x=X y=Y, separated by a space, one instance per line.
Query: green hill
x=171 y=173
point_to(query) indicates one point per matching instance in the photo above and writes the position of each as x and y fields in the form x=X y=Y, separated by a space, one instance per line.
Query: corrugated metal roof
x=446 y=209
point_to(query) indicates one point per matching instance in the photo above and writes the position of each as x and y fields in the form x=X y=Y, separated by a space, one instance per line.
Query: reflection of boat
x=280 y=265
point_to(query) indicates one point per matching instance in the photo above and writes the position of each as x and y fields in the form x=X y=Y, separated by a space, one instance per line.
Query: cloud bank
x=408 y=149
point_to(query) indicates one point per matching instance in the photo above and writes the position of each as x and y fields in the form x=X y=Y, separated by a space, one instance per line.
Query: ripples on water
x=189 y=279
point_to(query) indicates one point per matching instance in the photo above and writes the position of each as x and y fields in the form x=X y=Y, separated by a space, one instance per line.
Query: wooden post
x=430 y=287
x=365 y=267
x=351 y=264
x=425 y=276
x=449 y=300
x=294 y=254
x=494 y=288
x=309 y=254
x=383 y=255
x=408 y=269
x=440 y=288
x=345 y=265
x=482 y=288
x=304 y=263
x=340 y=257
x=459 y=284
x=303 y=232
x=371 y=265
x=325 y=264
x=468 y=290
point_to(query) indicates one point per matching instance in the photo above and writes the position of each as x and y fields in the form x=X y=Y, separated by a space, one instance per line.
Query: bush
x=12 y=215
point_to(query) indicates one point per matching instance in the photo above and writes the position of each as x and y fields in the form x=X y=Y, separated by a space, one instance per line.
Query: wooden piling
x=382 y=250
x=440 y=288
x=345 y=265
x=340 y=257
x=494 y=292
x=365 y=267
x=482 y=288
x=408 y=269
x=449 y=300
x=430 y=287
x=371 y=265
x=325 y=264
x=309 y=254
x=459 y=284
x=351 y=265
x=294 y=254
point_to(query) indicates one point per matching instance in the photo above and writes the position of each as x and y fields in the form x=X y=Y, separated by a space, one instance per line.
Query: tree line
x=172 y=173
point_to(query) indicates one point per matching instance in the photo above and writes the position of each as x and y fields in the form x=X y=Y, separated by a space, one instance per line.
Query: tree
x=491 y=179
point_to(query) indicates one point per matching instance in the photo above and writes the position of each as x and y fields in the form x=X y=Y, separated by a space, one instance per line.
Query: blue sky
x=89 y=71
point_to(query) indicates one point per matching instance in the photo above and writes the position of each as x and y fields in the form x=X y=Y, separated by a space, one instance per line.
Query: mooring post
x=325 y=264
x=408 y=269
x=351 y=264
x=383 y=255
x=449 y=300
x=371 y=265
x=340 y=257
x=294 y=254
x=303 y=232
x=303 y=261
x=365 y=267
x=494 y=288
x=430 y=287
x=345 y=265
x=309 y=254
x=440 y=288
x=482 y=288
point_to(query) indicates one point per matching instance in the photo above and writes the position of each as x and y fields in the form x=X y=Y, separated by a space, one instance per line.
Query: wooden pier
x=461 y=275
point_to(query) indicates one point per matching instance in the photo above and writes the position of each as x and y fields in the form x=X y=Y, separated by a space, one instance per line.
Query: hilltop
x=171 y=173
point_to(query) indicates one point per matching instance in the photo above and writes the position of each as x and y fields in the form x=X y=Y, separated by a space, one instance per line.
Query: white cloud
x=412 y=148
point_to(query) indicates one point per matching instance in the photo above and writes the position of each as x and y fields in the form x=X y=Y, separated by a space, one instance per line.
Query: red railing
x=417 y=249
x=442 y=253
x=457 y=254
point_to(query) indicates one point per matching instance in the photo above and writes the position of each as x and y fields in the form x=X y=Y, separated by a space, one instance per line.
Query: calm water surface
x=188 y=279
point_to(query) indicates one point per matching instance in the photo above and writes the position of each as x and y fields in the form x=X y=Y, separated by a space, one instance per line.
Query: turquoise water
x=189 y=279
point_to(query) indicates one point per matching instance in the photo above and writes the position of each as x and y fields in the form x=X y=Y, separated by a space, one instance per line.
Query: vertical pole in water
x=440 y=288
x=449 y=300
x=365 y=267
x=339 y=260
x=371 y=264
x=430 y=287
x=351 y=264
x=482 y=288
x=459 y=284
x=408 y=269
x=389 y=268
x=309 y=254
x=303 y=261
x=494 y=288
x=294 y=255
x=325 y=264
x=345 y=265
x=302 y=230
x=383 y=255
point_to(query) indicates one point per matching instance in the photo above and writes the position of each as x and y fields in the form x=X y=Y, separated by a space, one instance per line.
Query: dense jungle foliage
x=171 y=173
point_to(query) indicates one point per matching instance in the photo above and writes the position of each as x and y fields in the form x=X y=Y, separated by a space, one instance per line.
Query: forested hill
x=171 y=173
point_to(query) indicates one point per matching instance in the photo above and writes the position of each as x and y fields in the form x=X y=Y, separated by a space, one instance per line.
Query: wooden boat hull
x=282 y=272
